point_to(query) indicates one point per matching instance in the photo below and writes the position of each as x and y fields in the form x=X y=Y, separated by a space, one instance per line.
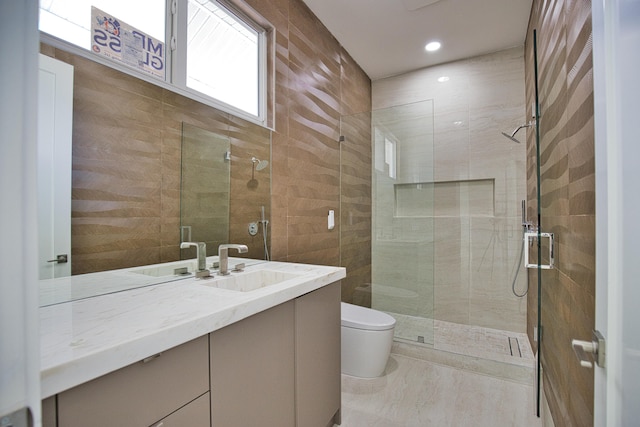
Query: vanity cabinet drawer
x=142 y=393
x=195 y=414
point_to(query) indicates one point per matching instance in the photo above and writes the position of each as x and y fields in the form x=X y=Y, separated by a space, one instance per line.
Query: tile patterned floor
x=418 y=393
x=462 y=376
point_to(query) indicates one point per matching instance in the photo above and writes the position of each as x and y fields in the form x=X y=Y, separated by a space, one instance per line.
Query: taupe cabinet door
x=252 y=374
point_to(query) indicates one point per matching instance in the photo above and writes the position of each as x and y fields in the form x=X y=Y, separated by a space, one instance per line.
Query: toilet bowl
x=367 y=336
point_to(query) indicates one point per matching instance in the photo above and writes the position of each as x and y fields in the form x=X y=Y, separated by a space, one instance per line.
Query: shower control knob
x=253 y=228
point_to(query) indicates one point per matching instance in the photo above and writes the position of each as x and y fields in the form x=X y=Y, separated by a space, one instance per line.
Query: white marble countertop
x=71 y=288
x=83 y=339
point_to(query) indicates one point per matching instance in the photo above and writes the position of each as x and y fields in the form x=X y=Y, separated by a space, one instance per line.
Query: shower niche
x=450 y=198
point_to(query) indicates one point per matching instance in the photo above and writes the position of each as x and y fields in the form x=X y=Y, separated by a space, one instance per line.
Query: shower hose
x=515 y=277
x=265 y=223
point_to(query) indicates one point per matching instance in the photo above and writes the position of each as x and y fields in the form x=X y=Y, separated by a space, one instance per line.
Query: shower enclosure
x=403 y=218
x=447 y=191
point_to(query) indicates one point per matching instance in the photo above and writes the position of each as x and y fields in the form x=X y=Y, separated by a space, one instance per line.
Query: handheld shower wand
x=265 y=223
x=525 y=227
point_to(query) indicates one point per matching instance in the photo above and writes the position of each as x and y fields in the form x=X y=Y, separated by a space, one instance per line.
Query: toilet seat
x=354 y=316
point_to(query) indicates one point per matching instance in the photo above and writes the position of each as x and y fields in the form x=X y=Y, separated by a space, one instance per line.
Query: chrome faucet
x=201 y=255
x=223 y=255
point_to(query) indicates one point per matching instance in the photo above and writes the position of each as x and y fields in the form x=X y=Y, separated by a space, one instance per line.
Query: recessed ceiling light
x=432 y=47
x=443 y=79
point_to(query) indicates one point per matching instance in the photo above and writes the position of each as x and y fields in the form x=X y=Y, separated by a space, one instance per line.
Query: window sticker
x=120 y=42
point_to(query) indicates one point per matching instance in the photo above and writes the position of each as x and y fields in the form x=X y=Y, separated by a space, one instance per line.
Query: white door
x=55 y=116
x=616 y=41
x=19 y=339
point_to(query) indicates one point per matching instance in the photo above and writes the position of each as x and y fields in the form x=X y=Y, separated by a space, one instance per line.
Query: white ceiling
x=387 y=37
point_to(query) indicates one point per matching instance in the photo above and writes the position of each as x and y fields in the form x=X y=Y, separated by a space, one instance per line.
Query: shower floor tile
x=418 y=393
x=475 y=341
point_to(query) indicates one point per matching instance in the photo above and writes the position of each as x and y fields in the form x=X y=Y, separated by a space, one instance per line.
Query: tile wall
x=567 y=199
x=317 y=83
x=126 y=167
x=478 y=179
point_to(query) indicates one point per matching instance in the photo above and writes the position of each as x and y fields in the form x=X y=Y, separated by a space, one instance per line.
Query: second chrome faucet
x=201 y=254
x=223 y=255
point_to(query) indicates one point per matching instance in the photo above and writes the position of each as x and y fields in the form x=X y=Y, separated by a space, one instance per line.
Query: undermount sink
x=183 y=269
x=243 y=281
x=249 y=281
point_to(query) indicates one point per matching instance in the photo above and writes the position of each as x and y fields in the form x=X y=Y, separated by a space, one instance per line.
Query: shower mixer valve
x=253 y=228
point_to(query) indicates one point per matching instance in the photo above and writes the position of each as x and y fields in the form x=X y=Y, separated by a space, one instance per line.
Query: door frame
x=19 y=336
x=616 y=35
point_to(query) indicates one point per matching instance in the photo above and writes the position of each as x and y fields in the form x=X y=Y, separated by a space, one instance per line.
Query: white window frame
x=179 y=57
x=175 y=61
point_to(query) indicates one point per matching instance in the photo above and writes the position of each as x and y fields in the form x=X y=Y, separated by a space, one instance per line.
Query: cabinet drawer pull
x=150 y=358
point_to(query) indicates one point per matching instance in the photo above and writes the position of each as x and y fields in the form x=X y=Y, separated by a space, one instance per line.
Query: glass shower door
x=205 y=189
x=403 y=218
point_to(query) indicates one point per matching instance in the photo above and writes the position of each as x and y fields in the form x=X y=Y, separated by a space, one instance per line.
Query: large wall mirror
x=130 y=141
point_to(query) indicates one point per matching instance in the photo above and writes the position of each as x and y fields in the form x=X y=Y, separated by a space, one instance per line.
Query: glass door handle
x=534 y=235
x=185 y=229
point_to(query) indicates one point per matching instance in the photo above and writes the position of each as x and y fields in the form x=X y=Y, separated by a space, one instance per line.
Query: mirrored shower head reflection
x=259 y=164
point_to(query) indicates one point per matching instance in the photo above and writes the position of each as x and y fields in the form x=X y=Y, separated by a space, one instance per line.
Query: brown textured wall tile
x=127 y=169
x=567 y=200
x=316 y=82
x=354 y=99
x=581 y=248
x=355 y=207
x=580 y=128
x=281 y=123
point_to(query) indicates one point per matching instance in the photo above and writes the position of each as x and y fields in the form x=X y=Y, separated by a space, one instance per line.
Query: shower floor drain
x=514 y=347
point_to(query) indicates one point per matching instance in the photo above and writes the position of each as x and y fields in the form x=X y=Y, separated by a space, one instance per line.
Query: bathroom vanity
x=199 y=353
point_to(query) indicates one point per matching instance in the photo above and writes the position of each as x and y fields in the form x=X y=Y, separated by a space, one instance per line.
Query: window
x=222 y=56
x=70 y=20
x=207 y=50
x=390 y=156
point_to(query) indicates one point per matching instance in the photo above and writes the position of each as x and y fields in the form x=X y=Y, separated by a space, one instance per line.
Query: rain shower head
x=510 y=137
x=513 y=134
x=259 y=164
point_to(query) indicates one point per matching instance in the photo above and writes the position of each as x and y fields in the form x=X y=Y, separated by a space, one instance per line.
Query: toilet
x=367 y=336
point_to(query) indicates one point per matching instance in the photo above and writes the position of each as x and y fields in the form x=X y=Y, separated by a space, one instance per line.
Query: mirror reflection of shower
x=258 y=165
x=516 y=130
